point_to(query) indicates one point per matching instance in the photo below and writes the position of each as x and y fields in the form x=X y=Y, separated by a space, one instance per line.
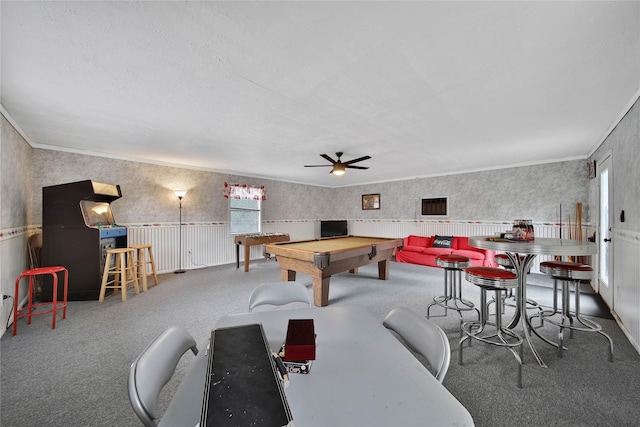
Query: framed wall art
x=434 y=206
x=370 y=201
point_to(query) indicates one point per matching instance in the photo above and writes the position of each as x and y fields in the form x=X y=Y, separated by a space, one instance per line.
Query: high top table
x=362 y=375
x=521 y=254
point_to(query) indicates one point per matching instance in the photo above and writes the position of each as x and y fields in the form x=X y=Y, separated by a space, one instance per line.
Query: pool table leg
x=383 y=269
x=320 y=291
x=287 y=275
x=320 y=286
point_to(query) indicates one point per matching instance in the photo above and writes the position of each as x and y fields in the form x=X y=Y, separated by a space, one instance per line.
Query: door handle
x=607 y=240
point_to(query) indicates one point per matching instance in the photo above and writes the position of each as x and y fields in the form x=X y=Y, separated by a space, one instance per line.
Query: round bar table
x=522 y=254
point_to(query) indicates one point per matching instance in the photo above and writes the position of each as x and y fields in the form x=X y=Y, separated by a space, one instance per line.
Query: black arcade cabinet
x=77 y=229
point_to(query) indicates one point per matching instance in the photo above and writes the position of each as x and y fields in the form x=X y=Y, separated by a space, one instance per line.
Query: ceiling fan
x=340 y=166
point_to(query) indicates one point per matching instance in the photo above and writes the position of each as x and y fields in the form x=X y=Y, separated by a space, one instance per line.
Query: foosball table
x=252 y=239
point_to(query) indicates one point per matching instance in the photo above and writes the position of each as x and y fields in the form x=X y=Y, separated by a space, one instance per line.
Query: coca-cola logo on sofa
x=443 y=241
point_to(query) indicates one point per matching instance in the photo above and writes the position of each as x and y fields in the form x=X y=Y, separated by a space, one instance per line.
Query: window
x=245 y=203
x=244 y=216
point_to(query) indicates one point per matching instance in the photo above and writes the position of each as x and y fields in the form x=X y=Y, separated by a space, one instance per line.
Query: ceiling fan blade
x=328 y=158
x=338 y=166
x=357 y=160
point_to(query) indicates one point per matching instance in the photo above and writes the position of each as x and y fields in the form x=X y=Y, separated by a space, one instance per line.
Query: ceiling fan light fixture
x=338 y=169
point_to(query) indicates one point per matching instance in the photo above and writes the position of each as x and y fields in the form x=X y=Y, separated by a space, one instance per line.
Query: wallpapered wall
x=147 y=190
x=15 y=193
x=526 y=192
x=15 y=156
x=534 y=192
x=624 y=145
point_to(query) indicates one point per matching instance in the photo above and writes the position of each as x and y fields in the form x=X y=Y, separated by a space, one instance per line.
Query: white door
x=603 y=236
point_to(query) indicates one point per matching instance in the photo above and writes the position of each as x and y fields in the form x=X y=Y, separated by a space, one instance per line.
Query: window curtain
x=244 y=191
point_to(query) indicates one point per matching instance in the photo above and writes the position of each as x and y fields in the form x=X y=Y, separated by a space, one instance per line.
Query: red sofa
x=420 y=250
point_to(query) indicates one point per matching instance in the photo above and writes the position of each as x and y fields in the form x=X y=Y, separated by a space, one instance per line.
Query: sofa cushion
x=417 y=249
x=463 y=243
x=416 y=258
x=443 y=241
x=471 y=254
x=421 y=241
x=436 y=251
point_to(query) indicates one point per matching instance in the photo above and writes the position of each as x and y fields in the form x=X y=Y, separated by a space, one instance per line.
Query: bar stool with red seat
x=497 y=280
x=453 y=265
x=503 y=261
x=28 y=310
x=569 y=273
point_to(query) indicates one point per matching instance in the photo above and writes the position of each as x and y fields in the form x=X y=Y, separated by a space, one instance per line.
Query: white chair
x=153 y=368
x=279 y=293
x=422 y=336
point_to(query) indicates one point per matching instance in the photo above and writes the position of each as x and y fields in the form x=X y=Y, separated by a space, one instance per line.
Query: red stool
x=27 y=311
x=497 y=280
x=452 y=298
x=569 y=273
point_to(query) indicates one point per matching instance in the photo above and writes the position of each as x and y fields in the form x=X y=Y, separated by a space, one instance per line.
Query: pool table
x=321 y=258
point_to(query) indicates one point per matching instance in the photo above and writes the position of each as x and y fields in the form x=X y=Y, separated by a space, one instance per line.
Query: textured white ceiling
x=263 y=88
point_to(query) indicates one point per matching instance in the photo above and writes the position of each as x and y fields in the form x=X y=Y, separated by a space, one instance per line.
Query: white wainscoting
x=13 y=253
x=205 y=244
x=626 y=282
x=208 y=244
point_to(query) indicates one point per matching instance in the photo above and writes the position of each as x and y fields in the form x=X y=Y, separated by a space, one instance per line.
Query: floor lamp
x=180 y=194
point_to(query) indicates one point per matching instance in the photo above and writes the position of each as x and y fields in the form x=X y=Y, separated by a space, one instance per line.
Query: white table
x=528 y=251
x=362 y=376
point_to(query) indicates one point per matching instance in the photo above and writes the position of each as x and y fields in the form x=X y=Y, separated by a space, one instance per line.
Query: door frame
x=606 y=292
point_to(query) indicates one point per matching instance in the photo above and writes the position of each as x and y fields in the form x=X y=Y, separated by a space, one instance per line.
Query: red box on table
x=300 y=343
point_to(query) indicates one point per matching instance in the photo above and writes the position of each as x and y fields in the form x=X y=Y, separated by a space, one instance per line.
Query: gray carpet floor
x=76 y=375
